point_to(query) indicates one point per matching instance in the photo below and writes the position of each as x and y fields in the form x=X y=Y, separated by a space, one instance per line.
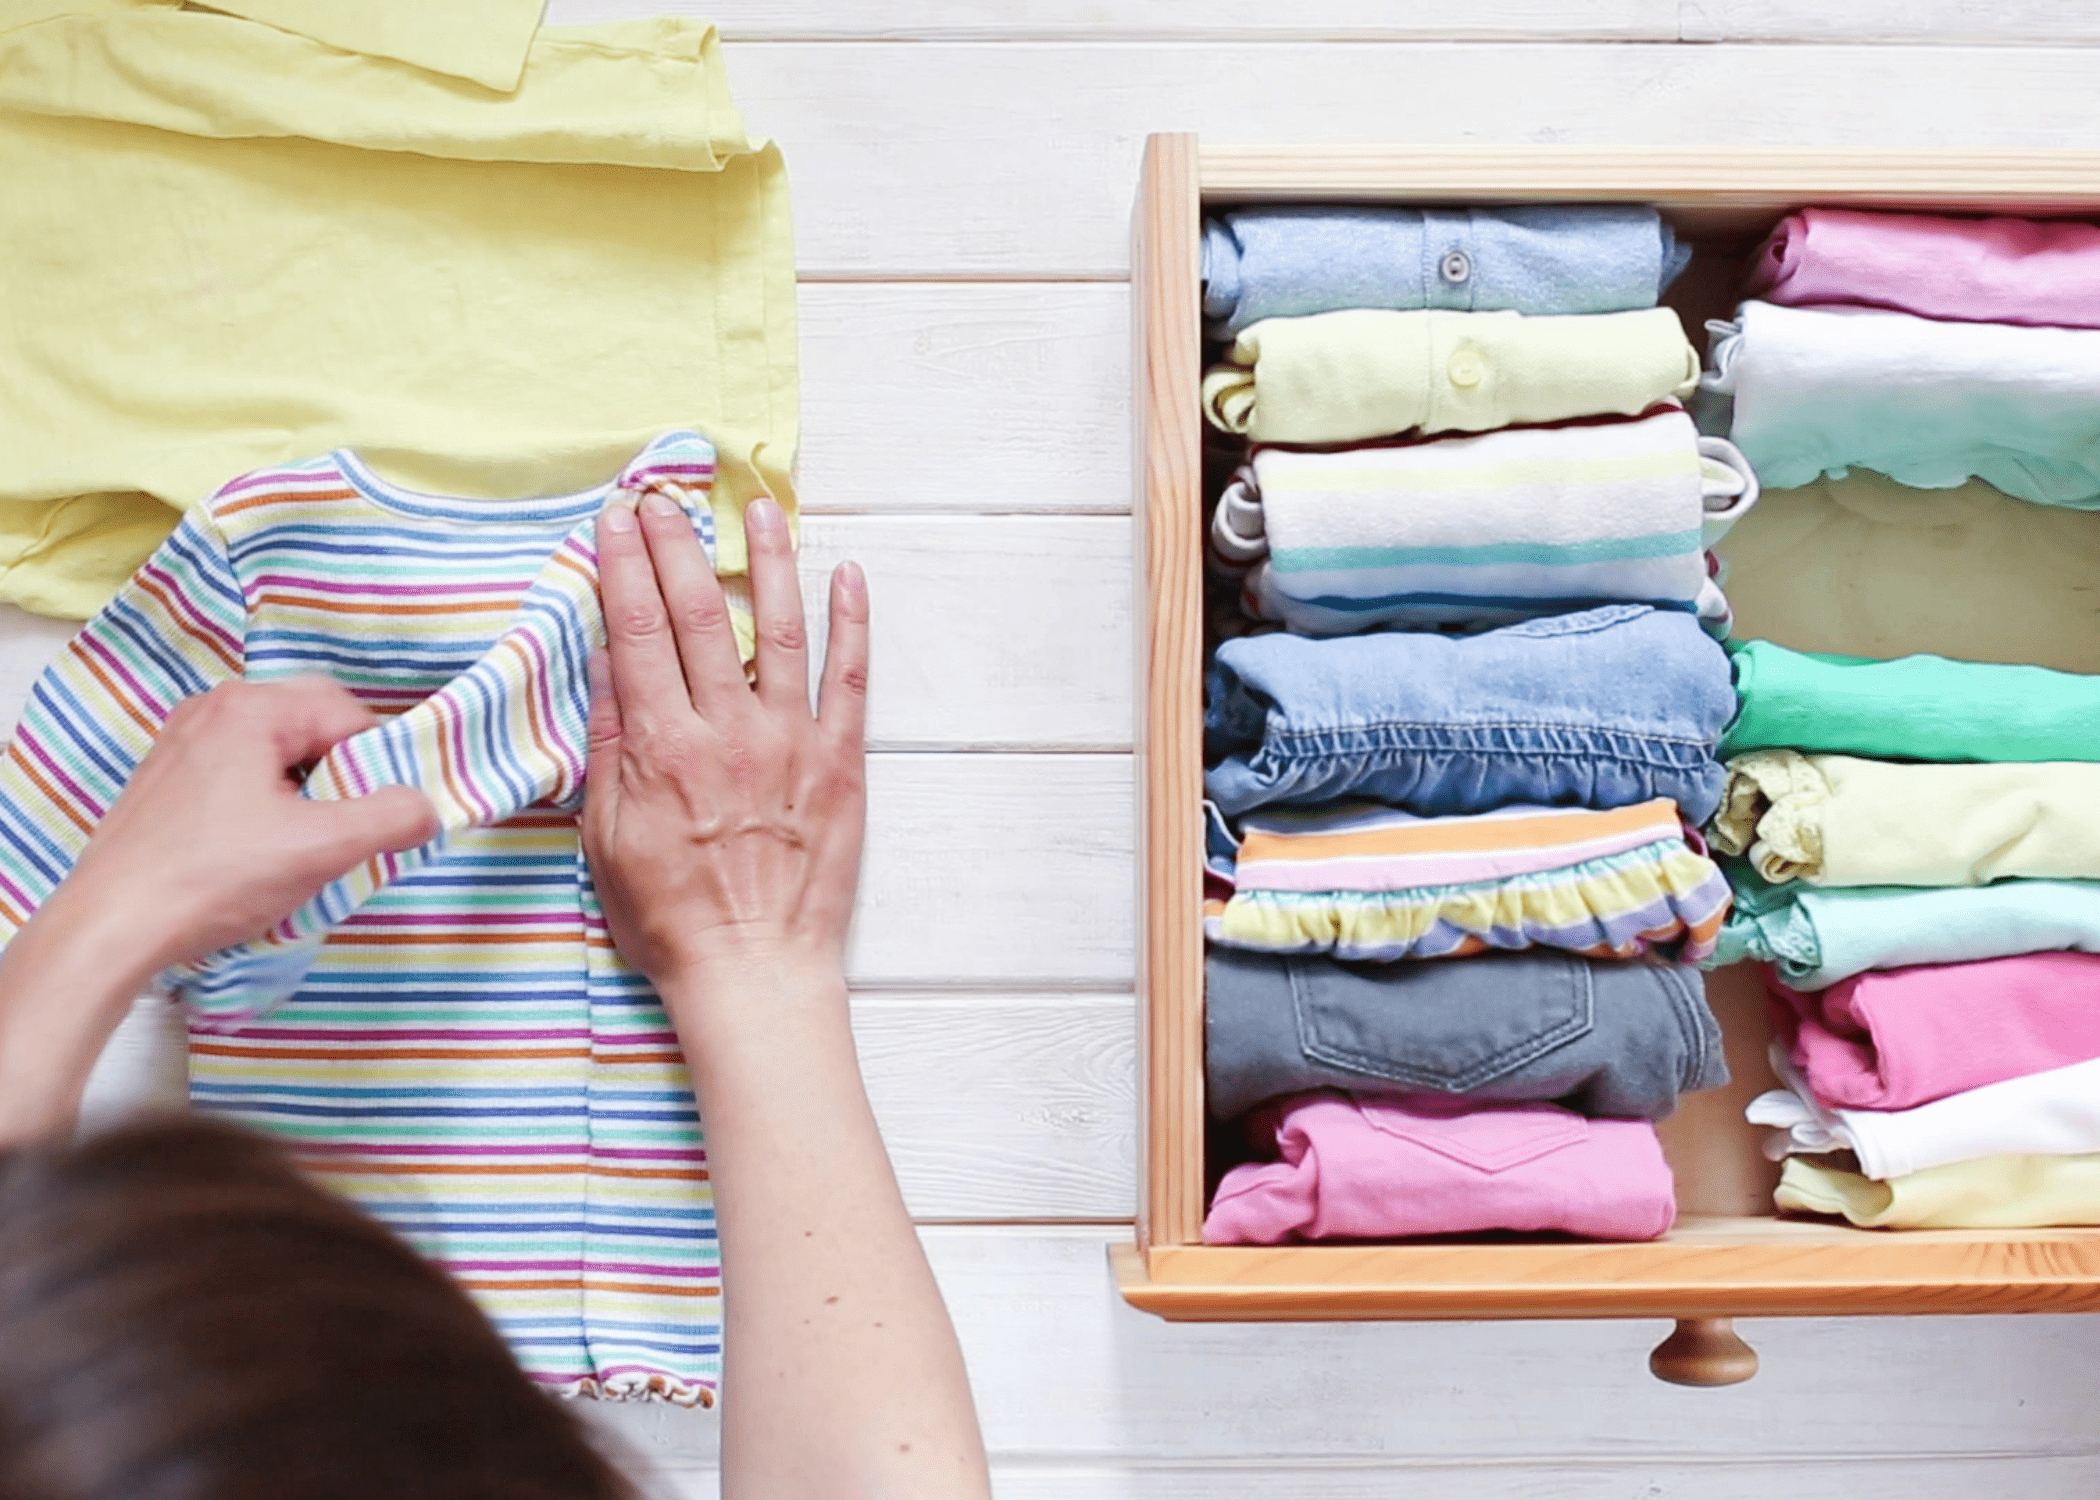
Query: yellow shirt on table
x=230 y=246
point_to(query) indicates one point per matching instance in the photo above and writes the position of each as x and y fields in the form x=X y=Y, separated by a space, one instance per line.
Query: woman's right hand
x=722 y=821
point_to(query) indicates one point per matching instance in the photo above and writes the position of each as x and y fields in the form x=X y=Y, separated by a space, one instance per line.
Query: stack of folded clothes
x=1455 y=900
x=1929 y=349
x=1919 y=847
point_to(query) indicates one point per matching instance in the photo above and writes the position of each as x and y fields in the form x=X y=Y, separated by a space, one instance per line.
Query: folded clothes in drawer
x=1837 y=820
x=2032 y=271
x=1898 y=1038
x=1490 y=528
x=1814 y=937
x=1358 y=1169
x=1818 y=390
x=1364 y=881
x=1913 y=708
x=2056 y=1113
x=1991 y=1192
x=1295 y=259
x=1599 y=1038
x=1342 y=377
x=1602 y=708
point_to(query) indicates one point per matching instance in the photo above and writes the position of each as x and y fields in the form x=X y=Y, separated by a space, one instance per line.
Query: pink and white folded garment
x=2056 y=1113
x=2033 y=271
x=1893 y=1039
x=1358 y=1169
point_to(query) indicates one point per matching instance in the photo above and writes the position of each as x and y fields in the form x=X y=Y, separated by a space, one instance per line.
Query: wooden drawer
x=1729 y=1253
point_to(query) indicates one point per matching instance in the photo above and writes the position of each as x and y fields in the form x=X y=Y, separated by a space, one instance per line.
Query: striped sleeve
x=174 y=630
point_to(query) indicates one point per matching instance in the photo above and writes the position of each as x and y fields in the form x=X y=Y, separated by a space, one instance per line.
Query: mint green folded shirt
x=1815 y=936
x=1913 y=708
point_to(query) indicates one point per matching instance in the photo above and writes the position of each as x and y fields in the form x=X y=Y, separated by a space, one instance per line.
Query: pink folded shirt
x=1897 y=1038
x=2033 y=271
x=1358 y=1169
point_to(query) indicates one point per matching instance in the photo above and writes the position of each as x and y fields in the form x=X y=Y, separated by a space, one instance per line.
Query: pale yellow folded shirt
x=230 y=245
x=1839 y=820
x=1992 y=1192
x=1342 y=377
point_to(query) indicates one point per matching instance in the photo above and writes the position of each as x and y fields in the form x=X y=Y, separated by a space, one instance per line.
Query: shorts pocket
x=1427 y=1037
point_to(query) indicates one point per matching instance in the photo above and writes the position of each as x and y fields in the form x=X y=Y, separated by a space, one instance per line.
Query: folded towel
x=1837 y=820
x=2056 y=1113
x=1915 y=708
x=1341 y=377
x=1311 y=258
x=1353 y=1169
x=1990 y=1192
x=1599 y=709
x=1598 y=1038
x=1898 y=1038
x=2034 y=271
x=1485 y=529
x=1927 y=403
x=1814 y=938
x=1364 y=881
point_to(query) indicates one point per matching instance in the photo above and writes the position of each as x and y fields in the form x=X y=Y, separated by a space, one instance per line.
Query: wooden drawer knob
x=1703 y=1351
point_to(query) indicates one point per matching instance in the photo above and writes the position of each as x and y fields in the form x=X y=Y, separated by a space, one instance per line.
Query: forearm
x=66 y=980
x=842 y=1373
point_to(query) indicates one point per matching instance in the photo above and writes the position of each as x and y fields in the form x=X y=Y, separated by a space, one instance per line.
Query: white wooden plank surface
x=995 y=1107
x=987 y=633
x=1065 y=1372
x=956 y=397
x=987 y=159
x=1944 y=23
x=996 y=870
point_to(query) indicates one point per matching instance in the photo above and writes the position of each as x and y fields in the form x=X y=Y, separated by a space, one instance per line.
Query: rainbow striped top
x=1364 y=881
x=454 y=1042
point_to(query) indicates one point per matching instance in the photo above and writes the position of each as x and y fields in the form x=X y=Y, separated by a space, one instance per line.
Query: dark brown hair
x=184 y=1317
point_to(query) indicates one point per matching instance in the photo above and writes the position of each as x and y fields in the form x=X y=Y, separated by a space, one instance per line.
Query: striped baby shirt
x=1484 y=529
x=447 y=1036
x=1363 y=881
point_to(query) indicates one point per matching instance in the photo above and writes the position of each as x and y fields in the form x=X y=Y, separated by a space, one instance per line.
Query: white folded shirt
x=2056 y=1113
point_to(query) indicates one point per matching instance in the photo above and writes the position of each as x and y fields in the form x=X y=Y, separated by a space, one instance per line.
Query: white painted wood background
x=963 y=174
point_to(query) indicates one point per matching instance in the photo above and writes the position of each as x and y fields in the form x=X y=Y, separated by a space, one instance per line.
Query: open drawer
x=1730 y=1253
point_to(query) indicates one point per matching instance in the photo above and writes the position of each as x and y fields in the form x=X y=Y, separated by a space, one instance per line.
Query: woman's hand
x=723 y=823
x=210 y=844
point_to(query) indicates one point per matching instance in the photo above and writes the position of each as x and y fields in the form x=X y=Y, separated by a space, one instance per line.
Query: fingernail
x=764 y=519
x=852 y=580
x=657 y=503
x=618 y=514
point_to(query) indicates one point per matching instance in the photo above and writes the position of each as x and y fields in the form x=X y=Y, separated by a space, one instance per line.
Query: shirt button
x=1466 y=369
x=1456 y=267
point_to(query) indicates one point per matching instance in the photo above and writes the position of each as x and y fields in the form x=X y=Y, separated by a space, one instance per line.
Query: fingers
x=645 y=671
x=353 y=830
x=776 y=601
x=842 y=704
x=699 y=615
x=303 y=718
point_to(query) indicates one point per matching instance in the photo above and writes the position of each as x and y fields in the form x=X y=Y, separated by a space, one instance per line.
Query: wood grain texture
x=996 y=870
x=950 y=396
x=1717 y=1268
x=960 y=160
x=987 y=633
x=1946 y=23
x=1166 y=298
x=1065 y=1372
x=1005 y=1107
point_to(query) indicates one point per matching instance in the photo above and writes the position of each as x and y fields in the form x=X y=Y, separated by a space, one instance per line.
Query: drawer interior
x=1859 y=565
